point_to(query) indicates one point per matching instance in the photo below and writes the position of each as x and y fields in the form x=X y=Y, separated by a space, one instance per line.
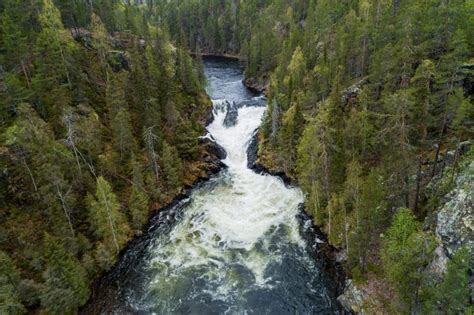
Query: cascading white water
x=236 y=246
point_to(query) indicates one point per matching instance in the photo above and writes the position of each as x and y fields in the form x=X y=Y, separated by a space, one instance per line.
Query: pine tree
x=115 y=94
x=296 y=71
x=400 y=152
x=419 y=118
x=309 y=168
x=291 y=130
x=371 y=213
x=14 y=94
x=100 y=43
x=15 y=41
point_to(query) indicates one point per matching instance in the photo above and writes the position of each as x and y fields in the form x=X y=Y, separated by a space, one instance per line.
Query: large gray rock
x=252 y=151
x=352 y=299
x=213 y=147
x=455 y=220
x=352 y=92
x=231 y=115
x=440 y=262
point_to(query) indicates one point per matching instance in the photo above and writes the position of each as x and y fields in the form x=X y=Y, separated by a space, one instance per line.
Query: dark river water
x=239 y=244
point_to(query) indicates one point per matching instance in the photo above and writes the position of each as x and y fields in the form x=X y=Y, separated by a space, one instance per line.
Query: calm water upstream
x=238 y=245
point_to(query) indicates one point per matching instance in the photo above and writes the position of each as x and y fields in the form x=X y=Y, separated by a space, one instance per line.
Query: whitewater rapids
x=238 y=245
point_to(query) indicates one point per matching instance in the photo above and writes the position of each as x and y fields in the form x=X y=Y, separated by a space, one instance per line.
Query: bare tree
x=149 y=138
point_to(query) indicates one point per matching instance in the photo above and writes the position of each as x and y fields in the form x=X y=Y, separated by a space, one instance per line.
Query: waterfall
x=236 y=245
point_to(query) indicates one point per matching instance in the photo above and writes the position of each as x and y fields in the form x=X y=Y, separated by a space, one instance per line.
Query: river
x=238 y=245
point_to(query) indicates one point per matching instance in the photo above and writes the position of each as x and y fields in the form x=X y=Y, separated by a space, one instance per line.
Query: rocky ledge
x=255 y=85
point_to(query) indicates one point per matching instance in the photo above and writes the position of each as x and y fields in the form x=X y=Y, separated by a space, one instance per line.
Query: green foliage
x=187 y=139
x=363 y=96
x=367 y=195
x=452 y=295
x=172 y=166
x=106 y=218
x=10 y=302
x=82 y=83
x=138 y=207
x=288 y=138
x=122 y=134
x=66 y=285
x=406 y=251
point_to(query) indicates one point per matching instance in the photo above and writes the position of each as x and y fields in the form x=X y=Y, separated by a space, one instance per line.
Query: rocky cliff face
x=452 y=222
x=455 y=220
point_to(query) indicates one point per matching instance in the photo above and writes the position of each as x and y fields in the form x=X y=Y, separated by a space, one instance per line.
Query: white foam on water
x=228 y=224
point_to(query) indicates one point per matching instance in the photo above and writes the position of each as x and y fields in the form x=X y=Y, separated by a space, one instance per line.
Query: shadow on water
x=195 y=258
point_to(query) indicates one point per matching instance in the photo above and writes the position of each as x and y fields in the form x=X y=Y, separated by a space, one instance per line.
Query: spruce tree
x=52 y=81
x=138 y=207
x=123 y=139
x=172 y=166
x=10 y=302
x=452 y=295
x=106 y=218
x=66 y=286
x=405 y=252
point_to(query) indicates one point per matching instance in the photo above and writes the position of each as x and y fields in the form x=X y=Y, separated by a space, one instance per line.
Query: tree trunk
x=66 y=212
x=111 y=223
x=31 y=174
x=418 y=184
x=443 y=127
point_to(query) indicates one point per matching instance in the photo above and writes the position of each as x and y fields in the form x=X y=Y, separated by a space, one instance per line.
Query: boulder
x=351 y=93
x=439 y=263
x=254 y=85
x=213 y=148
x=252 y=151
x=118 y=60
x=82 y=36
x=352 y=299
x=231 y=115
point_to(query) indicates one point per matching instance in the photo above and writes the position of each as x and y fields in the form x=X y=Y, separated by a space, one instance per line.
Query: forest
x=100 y=121
x=370 y=111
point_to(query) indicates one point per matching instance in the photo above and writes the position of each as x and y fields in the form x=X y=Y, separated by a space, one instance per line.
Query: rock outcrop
x=255 y=85
x=455 y=220
x=213 y=148
x=231 y=114
x=350 y=94
x=252 y=151
x=352 y=298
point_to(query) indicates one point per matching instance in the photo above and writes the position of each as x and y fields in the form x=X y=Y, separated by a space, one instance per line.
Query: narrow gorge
x=240 y=242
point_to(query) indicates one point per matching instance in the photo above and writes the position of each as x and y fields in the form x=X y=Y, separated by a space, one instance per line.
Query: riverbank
x=103 y=297
x=313 y=234
x=192 y=237
x=198 y=172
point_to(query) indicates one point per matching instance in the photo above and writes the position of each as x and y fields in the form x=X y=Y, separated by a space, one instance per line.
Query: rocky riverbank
x=200 y=171
x=315 y=238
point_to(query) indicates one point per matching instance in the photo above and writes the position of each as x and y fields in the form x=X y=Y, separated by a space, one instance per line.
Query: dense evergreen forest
x=100 y=118
x=101 y=107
